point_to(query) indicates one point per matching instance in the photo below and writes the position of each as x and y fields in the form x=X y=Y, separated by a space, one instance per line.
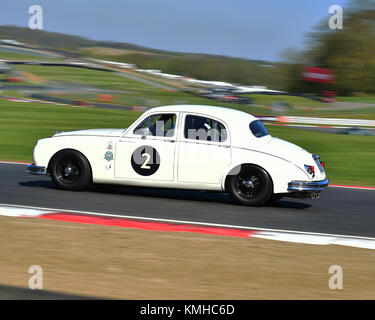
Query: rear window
x=258 y=129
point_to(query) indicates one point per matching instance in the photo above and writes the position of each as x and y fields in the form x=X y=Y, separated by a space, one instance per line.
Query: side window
x=158 y=125
x=206 y=129
x=258 y=129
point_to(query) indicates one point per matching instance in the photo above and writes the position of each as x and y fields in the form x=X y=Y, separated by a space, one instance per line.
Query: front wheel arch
x=69 y=150
x=63 y=150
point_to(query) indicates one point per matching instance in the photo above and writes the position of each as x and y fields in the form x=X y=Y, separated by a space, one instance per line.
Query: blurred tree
x=348 y=52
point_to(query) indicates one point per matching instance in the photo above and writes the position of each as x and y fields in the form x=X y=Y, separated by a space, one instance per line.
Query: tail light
x=310 y=169
x=322 y=164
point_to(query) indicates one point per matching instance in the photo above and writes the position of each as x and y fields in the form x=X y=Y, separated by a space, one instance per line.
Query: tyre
x=70 y=170
x=252 y=186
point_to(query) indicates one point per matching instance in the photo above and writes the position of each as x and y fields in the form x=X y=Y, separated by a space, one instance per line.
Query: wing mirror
x=145 y=132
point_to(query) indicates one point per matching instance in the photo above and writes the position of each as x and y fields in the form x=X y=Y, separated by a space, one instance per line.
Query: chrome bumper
x=307 y=186
x=33 y=169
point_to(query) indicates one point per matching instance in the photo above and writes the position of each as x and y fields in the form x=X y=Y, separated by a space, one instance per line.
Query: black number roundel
x=145 y=160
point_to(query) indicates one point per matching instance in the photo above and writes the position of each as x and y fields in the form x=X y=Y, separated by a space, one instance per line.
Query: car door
x=147 y=152
x=204 y=149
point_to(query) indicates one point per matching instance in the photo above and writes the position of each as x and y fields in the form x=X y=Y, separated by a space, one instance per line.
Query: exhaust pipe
x=315 y=195
x=306 y=195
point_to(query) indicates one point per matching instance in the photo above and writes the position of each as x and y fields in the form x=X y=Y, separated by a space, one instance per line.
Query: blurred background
x=304 y=68
x=110 y=62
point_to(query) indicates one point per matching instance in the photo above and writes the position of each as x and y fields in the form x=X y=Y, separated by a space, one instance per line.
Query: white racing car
x=187 y=147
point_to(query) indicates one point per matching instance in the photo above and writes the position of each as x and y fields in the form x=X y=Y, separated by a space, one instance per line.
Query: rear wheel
x=70 y=170
x=252 y=186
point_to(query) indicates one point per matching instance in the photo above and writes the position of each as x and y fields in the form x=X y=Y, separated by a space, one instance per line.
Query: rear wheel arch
x=249 y=184
x=237 y=169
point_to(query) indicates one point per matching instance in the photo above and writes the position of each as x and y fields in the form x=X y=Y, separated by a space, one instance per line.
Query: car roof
x=214 y=111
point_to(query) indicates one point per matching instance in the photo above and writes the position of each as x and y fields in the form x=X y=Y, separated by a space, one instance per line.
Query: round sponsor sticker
x=108 y=156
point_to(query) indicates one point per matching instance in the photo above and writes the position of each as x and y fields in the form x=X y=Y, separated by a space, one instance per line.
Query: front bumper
x=307 y=186
x=33 y=169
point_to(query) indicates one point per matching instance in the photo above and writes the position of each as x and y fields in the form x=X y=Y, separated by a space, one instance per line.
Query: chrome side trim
x=33 y=169
x=317 y=161
x=308 y=186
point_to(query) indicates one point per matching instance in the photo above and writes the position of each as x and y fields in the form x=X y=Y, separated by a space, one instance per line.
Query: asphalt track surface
x=17 y=293
x=337 y=211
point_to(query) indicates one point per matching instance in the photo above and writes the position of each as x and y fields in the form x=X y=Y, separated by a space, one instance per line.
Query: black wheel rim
x=68 y=170
x=249 y=184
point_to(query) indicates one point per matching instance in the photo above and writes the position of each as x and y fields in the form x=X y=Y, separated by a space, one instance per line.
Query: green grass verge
x=138 y=93
x=22 y=124
x=7 y=55
x=359 y=98
x=350 y=159
x=294 y=101
x=85 y=77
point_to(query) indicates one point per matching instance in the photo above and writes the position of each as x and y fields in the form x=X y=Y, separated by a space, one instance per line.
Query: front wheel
x=252 y=186
x=70 y=170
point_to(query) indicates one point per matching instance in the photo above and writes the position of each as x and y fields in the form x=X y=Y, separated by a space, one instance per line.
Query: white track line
x=14 y=162
x=18 y=211
x=352 y=187
x=306 y=126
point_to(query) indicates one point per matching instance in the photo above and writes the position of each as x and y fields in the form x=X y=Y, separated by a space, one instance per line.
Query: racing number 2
x=145 y=160
x=144 y=165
